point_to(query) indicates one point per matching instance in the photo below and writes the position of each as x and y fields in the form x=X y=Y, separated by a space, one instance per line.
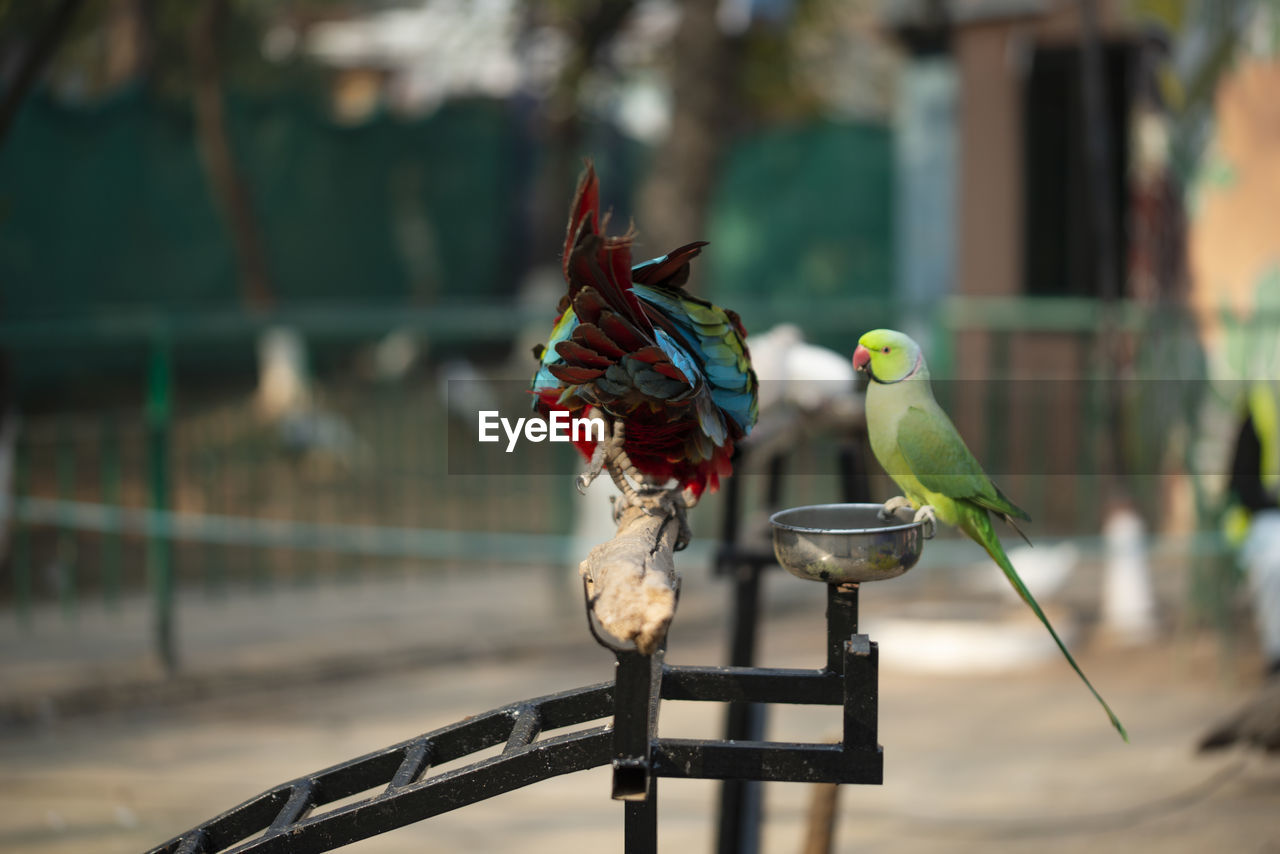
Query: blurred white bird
x=464 y=389
x=803 y=375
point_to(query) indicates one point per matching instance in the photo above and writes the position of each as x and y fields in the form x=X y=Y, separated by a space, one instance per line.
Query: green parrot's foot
x=889 y=512
x=927 y=514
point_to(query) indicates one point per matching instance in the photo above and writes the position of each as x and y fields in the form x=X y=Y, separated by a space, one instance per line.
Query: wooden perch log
x=631 y=579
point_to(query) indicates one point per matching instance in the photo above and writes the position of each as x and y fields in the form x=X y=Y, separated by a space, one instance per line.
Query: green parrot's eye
x=884 y=349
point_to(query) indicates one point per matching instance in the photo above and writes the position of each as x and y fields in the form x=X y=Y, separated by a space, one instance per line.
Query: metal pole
x=842 y=622
x=640 y=822
x=66 y=551
x=742 y=801
x=112 y=545
x=22 y=561
x=159 y=418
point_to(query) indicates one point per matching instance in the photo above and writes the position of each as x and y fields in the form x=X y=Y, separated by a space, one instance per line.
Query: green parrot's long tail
x=980 y=530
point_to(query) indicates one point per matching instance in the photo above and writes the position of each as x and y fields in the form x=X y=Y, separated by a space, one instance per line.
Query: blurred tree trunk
x=226 y=182
x=37 y=57
x=130 y=42
x=595 y=22
x=706 y=75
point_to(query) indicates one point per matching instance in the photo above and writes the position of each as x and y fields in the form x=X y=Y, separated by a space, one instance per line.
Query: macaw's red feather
x=621 y=332
x=669 y=366
x=604 y=264
x=736 y=321
x=574 y=375
x=650 y=355
x=583 y=213
x=549 y=401
x=588 y=306
x=669 y=370
x=593 y=336
x=617 y=263
x=665 y=448
x=673 y=270
x=660 y=447
x=575 y=354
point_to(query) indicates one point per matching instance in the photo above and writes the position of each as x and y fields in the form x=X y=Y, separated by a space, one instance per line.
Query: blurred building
x=1036 y=184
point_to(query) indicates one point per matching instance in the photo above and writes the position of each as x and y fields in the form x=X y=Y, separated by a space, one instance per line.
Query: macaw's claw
x=659 y=501
x=655 y=500
x=927 y=514
x=599 y=458
x=889 y=512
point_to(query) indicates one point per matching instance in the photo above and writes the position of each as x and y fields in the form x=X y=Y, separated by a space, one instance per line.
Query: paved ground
x=100 y=754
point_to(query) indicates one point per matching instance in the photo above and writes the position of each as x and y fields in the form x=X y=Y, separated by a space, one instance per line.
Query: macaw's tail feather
x=585 y=209
x=982 y=532
x=630 y=342
x=671 y=270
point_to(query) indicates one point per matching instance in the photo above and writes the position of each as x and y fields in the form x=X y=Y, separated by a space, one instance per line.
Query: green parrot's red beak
x=861 y=358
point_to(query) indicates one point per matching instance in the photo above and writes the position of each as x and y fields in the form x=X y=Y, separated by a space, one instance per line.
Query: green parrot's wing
x=939 y=459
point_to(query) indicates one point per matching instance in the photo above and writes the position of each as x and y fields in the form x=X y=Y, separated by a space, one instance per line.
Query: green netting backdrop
x=104 y=208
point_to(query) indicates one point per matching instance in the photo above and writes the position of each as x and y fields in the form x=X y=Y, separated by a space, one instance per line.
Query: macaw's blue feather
x=681 y=359
x=544 y=380
x=633 y=344
x=718 y=348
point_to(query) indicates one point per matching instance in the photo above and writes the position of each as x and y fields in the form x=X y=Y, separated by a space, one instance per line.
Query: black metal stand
x=849 y=679
x=742 y=800
x=401 y=790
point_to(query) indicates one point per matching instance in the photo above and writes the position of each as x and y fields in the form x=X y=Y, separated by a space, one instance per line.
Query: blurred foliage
x=156 y=36
x=805 y=210
x=359 y=213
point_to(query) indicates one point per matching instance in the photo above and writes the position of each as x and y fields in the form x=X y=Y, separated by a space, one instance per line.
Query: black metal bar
x=744 y=615
x=193 y=843
x=526 y=728
x=752 y=684
x=738 y=830
x=398 y=766
x=417 y=759
x=773 y=493
x=732 y=512
x=842 y=622
x=767 y=761
x=742 y=800
x=300 y=800
x=635 y=721
x=640 y=822
x=231 y=826
x=575 y=751
x=731 y=558
x=861 y=692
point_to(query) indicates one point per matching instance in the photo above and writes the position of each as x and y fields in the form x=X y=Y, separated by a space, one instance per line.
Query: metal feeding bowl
x=845 y=543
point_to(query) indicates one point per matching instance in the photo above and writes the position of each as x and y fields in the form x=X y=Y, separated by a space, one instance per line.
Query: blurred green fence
x=193 y=486
x=190 y=488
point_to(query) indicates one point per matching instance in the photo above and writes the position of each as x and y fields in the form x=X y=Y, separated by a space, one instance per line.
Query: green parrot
x=922 y=451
